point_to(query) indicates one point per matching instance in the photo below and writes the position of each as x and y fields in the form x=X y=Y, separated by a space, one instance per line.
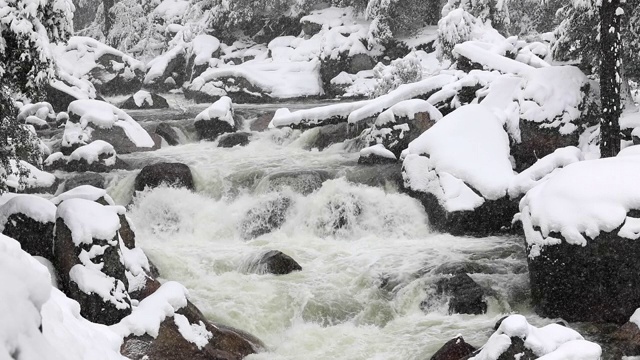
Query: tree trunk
x=610 y=77
x=107 y=5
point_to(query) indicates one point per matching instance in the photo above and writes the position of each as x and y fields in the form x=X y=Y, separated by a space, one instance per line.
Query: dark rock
x=397 y=138
x=82 y=165
x=126 y=232
x=113 y=76
x=211 y=129
x=492 y=217
x=310 y=28
x=538 y=142
x=597 y=282
x=332 y=134
x=517 y=350
x=89 y=178
x=265 y=217
x=34 y=237
x=454 y=349
x=360 y=62
x=462 y=267
x=277 y=263
x=234 y=139
x=158 y=102
x=262 y=122
x=58 y=99
x=304 y=181
x=466 y=295
x=175 y=174
x=168 y=133
x=172 y=77
x=375 y=159
x=626 y=340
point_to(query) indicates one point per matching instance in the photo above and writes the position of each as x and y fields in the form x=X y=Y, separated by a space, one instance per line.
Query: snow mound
x=221 y=110
x=35 y=179
x=550 y=342
x=89 y=220
x=478 y=53
x=203 y=47
x=330 y=17
x=471 y=145
x=86 y=192
x=582 y=200
x=41 y=110
x=141 y=97
x=377 y=150
x=315 y=116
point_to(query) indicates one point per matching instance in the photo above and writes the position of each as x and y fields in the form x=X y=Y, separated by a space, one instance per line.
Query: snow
x=35 y=121
x=582 y=200
x=283 y=117
x=157 y=66
x=378 y=150
x=86 y=192
x=88 y=220
x=171 y=8
x=41 y=110
x=330 y=17
x=471 y=145
x=91 y=153
x=74 y=133
x=490 y=60
x=194 y=333
x=203 y=47
x=91 y=280
x=550 y=342
x=30 y=288
x=152 y=310
x=408 y=109
x=141 y=97
x=36 y=177
x=403 y=92
x=221 y=110
x=70 y=334
x=543 y=169
x=34 y=207
x=635 y=318
x=105 y=115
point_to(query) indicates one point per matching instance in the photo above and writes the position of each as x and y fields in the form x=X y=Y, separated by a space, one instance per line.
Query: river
x=370 y=261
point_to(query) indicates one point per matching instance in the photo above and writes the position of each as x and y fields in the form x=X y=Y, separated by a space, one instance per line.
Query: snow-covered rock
x=460 y=170
x=397 y=126
x=515 y=337
x=89 y=260
x=376 y=154
x=580 y=224
x=37 y=181
x=91 y=120
x=216 y=119
x=323 y=115
x=29 y=219
x=109 y=70
x=145 y=100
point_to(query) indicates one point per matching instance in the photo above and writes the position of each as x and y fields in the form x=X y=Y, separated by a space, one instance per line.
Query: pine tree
x=26 y=65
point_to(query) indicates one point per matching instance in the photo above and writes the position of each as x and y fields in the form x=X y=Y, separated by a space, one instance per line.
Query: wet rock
x=126 y=232
x=262 y=122
x=217 y=119
x=376 y=155
x=454 y=349
x=145 y=100
x=397 y=134
x=168 y=133
x=275 y=262
x=626 y=339
x=88 y=178
x=234 y=139
x=343 y=213
x=328 y=135
x=360 y=62
x=467 y=297
x=115 y=75
x=224 y=344
x=265 y=217
x=58 y=99
x=120 y=141
x=462 y=267
x=175 y=174
x=303 y=181
x=597 y=282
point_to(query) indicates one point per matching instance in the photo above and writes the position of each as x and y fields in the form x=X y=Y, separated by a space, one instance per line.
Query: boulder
x=122 y=144
x=537 y=142
x=275 y=262
x=265 y=217
x=216 y=119
x=454 y=349
x=376 y=155
x=59 y=99
x=175 y=174
x=467 y=297
x=89 y=261
x=626 y=339
x=234 y=139
x=144 y=100
x=310 y=28
x=168 y=133
x=360 y=62
x=303 y=181
x=29 y=219
x=327 y=135
x=262 y=122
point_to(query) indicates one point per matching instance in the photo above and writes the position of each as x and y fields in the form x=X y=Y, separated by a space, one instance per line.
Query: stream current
x=370 y=262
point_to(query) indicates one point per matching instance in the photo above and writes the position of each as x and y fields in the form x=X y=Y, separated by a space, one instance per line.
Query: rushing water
x=368 y=256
